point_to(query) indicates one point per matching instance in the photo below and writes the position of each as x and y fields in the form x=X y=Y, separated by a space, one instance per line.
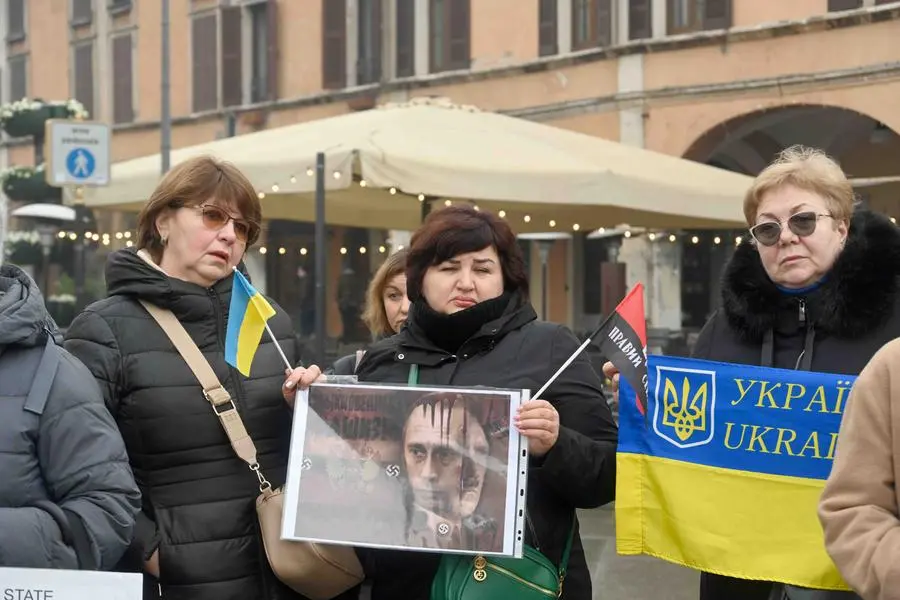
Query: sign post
x=77 y=153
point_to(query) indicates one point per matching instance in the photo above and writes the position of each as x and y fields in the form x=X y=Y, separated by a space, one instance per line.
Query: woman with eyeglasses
x=815 y=287
x=196 y=536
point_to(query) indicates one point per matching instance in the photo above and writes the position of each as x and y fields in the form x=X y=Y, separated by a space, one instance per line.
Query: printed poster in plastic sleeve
x=435 y=469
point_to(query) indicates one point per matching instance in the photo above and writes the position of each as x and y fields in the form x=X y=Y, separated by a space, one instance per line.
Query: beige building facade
x=723 y=82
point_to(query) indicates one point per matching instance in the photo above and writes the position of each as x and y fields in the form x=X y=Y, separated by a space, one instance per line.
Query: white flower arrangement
x=20 y=172
x=19 y=236
x=75 y=108
x=62 y=298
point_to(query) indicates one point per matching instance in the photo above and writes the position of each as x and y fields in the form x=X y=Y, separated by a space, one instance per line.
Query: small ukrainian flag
x=247 y=318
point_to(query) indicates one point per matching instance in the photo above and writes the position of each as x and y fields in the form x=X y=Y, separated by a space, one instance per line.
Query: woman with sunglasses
x=196 y=537
x=815 y=287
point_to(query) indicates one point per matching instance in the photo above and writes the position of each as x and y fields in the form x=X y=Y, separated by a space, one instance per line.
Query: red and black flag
x=623 y=341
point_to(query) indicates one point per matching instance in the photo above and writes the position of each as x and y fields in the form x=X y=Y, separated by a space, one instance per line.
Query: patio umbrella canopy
x=380 y=162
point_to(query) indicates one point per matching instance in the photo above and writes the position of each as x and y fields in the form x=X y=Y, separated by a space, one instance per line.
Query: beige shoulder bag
x=318 y=571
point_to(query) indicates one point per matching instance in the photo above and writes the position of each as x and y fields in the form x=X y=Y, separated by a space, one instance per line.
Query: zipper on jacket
x=802 y=315
x=220 y=333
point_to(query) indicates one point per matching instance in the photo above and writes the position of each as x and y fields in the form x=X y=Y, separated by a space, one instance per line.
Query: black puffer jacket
x=198 y=497
x=513 y=351
x=845 y=321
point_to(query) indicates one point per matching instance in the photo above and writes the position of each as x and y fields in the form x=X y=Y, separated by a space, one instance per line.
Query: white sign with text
x=50 y=584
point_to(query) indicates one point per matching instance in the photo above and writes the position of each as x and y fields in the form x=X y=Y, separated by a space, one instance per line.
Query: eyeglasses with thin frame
x=802 y=224
x=215 y=218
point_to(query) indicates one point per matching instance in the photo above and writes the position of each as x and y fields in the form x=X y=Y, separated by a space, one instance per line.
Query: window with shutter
x=640 y=19
x=82 y=12
x=716 y=14
x=260 y=46
x=591 y=23
x=272 y=61
x=547 y=38
x=450 y=35
x=334 y=45
x=123 y=78
x=204 y=62
x=406 y=38
x=369 y=40
x=83 y=62
x=838 y=5
x=231 y=57
x=15 y=20
x=18 y=77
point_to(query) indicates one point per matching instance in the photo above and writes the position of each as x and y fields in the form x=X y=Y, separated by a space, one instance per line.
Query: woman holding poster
x=471 y=324
x=815 y=287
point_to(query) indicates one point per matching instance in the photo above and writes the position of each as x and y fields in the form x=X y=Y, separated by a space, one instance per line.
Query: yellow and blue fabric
x=247 y=316
x=726 y=472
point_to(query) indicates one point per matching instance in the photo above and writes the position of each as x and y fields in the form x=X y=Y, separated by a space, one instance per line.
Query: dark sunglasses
x=216 y=218
x=802 y=224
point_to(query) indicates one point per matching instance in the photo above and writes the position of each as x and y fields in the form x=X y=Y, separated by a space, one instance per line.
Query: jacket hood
x=856 y=297
x=130 y=272
x=24 y=320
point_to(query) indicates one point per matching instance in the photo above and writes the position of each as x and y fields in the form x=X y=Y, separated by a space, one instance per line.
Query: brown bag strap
x=218 y=397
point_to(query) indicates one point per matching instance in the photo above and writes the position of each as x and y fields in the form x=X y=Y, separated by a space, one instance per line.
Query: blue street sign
x=80 y=163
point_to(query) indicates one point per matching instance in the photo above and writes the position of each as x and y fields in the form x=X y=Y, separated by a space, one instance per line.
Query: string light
x=343 y=250
x=362 y=249
x=275 y=187
x=695 y=239
x=672 y=237
x=527 y=218
x=651 y=236
x=552 y=223
x=303 y=251
x=627 y=234
x=447 y=202
x=738 y=240
x=502 y=214
x=717 y=240
x=576 y=227
x=362 y=183
x=262 y=249
x=282 y=250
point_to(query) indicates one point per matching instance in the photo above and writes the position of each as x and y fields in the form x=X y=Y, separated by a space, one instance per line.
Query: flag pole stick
x=575 y=354
x=287 y=363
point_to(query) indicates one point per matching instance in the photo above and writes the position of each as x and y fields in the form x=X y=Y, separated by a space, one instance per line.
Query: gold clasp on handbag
x=479 y=574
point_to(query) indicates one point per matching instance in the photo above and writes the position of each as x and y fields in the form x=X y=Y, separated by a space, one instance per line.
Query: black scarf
x=450 y=332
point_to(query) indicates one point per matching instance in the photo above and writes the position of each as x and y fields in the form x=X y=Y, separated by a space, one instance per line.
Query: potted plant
x=23 y=248
x=26 y=117
x=28 y=184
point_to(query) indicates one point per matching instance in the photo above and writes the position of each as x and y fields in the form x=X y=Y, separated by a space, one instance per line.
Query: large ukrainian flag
x=247 y=316
x=725 y=473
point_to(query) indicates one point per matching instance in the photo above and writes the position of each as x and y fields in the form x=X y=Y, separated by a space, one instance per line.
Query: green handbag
x=464 y=577
x=532 y=577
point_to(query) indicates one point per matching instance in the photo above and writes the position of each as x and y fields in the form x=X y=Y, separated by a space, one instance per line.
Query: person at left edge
x=197 y=536
x=67 y=496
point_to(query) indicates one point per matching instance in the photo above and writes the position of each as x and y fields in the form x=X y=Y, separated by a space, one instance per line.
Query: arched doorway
x=867 y=150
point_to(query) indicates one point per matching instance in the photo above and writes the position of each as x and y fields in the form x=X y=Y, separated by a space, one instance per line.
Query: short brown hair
x=806 y=168
x=373 y=314
x=191 y=183
x=458 y=229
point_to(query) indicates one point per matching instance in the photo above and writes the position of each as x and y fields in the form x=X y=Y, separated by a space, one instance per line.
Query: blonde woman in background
x=386 y=307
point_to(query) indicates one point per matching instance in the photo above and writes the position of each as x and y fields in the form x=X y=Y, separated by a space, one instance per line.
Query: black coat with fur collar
x=848 y=318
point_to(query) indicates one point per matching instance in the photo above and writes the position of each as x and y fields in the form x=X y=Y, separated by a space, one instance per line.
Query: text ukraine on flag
x=725 y=473
x=247 y=316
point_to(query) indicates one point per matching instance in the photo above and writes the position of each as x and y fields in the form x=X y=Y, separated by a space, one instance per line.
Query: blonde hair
x=808 y=169
x=374 y=315
x=191 y=183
